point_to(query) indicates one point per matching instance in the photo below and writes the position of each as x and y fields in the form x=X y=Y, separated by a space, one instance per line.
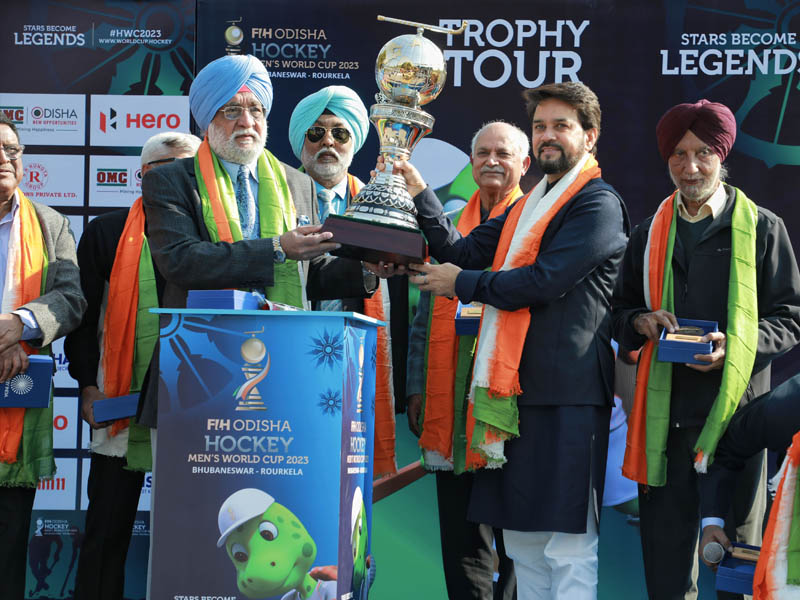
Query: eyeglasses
x=161 y=160
x=316 y=133
x=234 y=111
x=13 y=151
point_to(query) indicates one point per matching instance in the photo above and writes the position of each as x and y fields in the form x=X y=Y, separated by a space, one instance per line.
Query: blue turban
x=220 y=80
x=341 y=101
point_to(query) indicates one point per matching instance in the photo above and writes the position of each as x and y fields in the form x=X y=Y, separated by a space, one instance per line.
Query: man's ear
x=526 y=163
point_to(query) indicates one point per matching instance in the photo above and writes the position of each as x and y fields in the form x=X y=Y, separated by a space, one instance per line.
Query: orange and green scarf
x=276 y=215
x=648 y=426
x=377 y=307
x=778 y=570
x=26 y=435
x=495 y=380
x=448 y=420
x=130 y=330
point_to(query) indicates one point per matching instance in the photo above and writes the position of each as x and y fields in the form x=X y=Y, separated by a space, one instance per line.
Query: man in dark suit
x=228 y=218
x=709 y=253
x=770 y=421
x=542 y=384
x=41 y=301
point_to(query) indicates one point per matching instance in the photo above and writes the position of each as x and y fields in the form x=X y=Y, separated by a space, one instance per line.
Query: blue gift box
x=683 y=352
x=736 y=575
x=468 y=318
x=222 y=299
x=31 y=388
x=121 y=407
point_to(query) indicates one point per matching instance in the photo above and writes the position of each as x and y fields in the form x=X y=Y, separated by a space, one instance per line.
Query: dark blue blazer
x=567 y=358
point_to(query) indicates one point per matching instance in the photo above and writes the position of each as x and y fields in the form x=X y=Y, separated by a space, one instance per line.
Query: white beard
x=227 y=149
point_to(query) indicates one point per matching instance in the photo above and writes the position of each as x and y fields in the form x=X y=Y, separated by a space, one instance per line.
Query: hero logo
x=140 y=121
x=109 y=120
x=34 y=176
x=60 y=422
x=112 y=177
x=15 y=113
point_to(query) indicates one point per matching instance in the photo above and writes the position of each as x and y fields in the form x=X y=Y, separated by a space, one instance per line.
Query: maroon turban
x=712 y=122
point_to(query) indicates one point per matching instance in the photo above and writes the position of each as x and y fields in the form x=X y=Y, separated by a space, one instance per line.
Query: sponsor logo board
x=53 y=179
x=65 y=423
x=47 y=119
x=132 y=120
x=114 y=180
x=59 y=492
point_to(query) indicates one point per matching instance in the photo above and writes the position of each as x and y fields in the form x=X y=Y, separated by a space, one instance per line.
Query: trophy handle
x=421 y=26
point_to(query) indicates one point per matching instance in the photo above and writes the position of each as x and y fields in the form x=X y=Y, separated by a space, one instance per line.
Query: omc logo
x=34 y=176
x=15 y=113
x=112 y=178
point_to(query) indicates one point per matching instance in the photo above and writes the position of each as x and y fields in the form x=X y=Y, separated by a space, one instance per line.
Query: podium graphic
x=263 y=469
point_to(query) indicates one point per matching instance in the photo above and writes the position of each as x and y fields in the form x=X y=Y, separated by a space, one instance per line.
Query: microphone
x=713 y=552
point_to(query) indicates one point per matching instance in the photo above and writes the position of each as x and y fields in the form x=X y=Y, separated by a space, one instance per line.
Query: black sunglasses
x=161 y=160
x=316 y=133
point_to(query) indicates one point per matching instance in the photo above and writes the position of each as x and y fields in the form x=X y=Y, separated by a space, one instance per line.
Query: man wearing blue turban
x=325 y=130
x=228 y=218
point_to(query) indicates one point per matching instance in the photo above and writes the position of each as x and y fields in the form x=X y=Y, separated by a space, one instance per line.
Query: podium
x=263 y=469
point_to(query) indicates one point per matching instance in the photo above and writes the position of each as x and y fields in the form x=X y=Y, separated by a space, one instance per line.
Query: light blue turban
x=341 y=101
x=220 y=80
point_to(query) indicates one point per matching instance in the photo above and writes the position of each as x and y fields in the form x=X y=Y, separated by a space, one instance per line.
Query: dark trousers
x=670 y=519
x=16 y=504
x=113 y=499
x=467 y=547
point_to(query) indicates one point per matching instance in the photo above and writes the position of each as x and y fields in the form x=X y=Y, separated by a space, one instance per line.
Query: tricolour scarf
x=276 y=213
x=648 y=426
x=377 y=307
x=495 y=381
x=130 y=330
x=26 y=275
x=448 y=422
x=777 y=574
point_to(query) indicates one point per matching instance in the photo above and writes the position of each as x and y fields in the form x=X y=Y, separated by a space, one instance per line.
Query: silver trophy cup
x=380 y=223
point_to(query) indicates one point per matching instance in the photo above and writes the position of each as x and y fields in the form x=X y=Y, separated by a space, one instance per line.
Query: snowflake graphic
x=330 y=402
x=326 y=349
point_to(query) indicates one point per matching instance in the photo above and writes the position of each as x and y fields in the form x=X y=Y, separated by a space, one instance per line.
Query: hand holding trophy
x=381 y=224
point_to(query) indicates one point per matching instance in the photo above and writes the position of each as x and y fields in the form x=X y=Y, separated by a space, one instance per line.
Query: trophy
x=380 y=224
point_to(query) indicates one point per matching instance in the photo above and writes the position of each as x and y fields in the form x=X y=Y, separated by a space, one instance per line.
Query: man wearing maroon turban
x=709 y=253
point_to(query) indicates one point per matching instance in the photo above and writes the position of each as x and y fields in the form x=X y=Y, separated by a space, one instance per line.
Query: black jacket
x=700 y=284
x=567 y=358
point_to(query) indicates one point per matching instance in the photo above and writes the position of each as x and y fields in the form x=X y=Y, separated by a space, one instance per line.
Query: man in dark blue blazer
x=548 y=493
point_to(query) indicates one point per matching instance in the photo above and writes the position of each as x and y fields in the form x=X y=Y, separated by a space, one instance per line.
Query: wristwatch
x=278 y=255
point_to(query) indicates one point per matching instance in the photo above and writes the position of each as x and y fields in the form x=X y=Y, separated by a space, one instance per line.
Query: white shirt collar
x=713 y=206
x=9 y=216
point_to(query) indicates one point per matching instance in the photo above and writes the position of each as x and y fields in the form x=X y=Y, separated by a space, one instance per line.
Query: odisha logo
x=37 y=112
x=22 y=384
x=34 y=176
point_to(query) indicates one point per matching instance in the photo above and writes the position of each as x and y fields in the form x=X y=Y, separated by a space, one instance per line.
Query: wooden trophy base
x=373 y=242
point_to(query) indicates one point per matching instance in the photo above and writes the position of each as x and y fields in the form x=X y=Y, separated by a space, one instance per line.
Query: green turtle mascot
x=270 y=548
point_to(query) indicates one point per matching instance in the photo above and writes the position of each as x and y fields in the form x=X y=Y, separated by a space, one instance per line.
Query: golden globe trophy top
x=381 y=223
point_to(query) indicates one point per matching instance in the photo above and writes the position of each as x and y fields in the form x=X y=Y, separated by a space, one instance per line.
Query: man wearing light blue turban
x=228 y=218
x=325 y=130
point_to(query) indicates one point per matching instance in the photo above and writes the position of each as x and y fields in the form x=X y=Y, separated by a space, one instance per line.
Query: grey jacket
x=59 y=310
